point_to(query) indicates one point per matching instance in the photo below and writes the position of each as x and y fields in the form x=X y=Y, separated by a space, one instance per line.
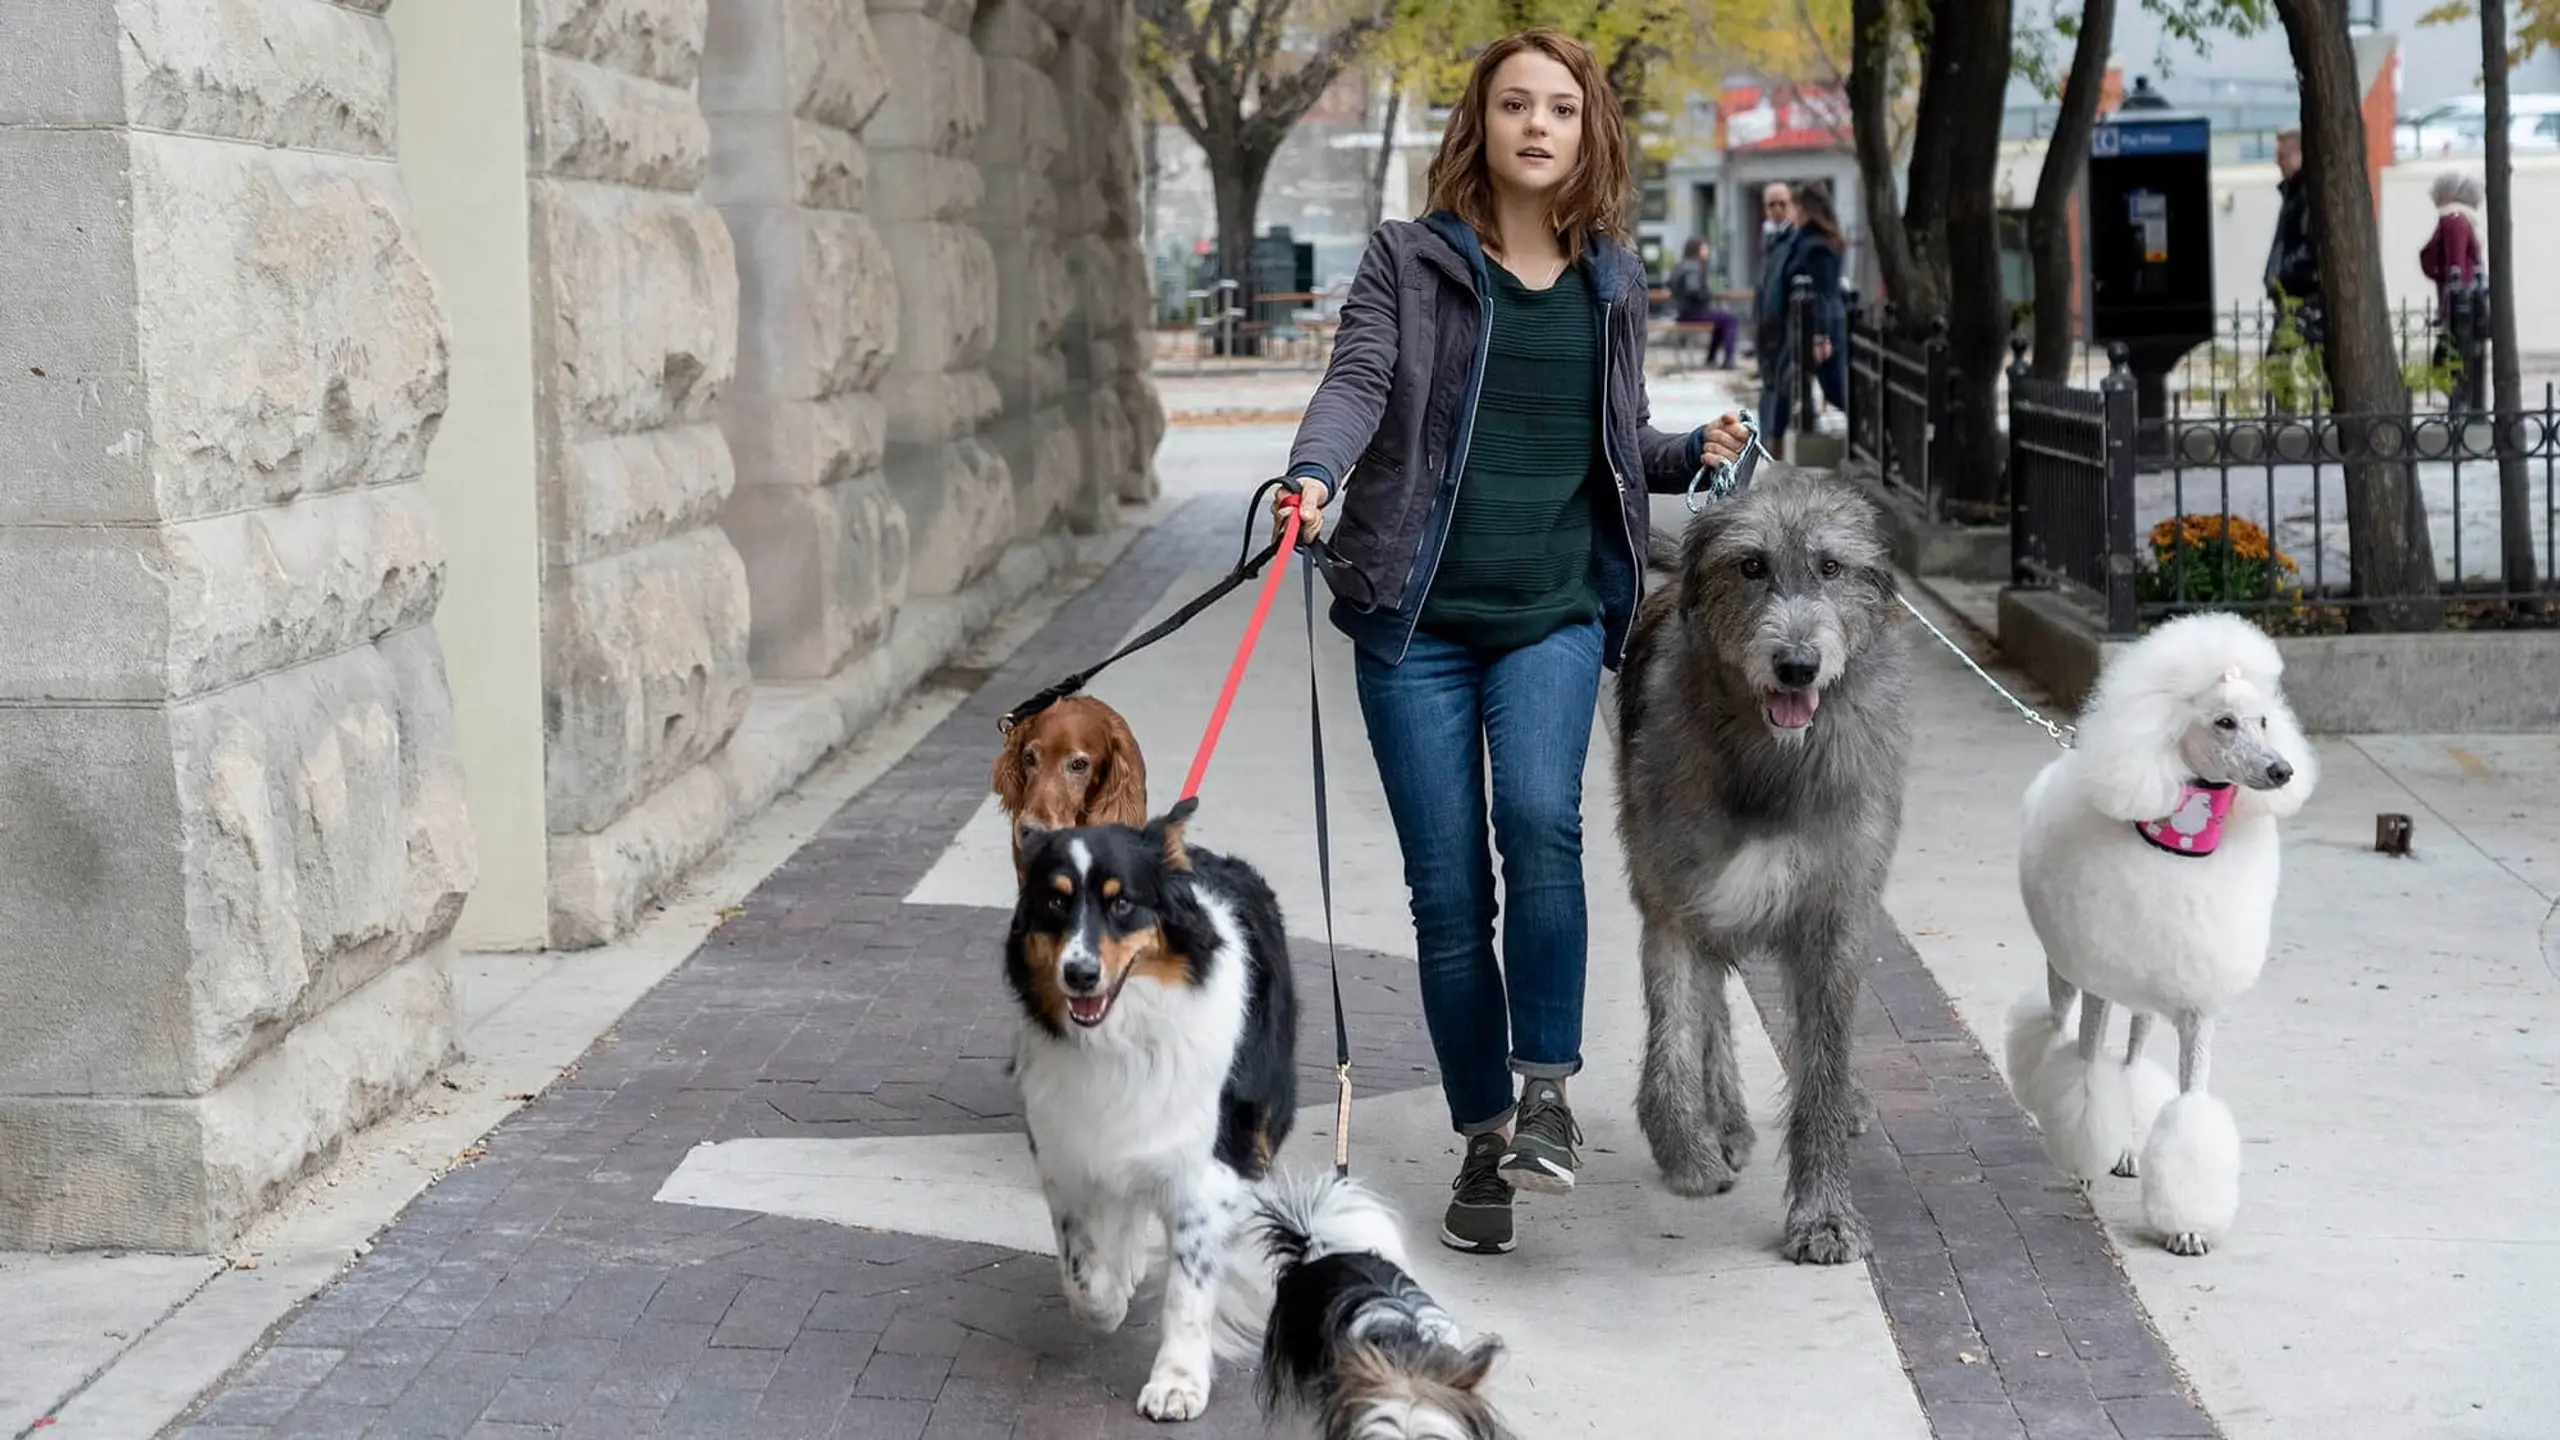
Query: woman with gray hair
x=2452 y=258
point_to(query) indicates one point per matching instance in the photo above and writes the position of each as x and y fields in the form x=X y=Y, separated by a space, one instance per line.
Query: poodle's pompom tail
x=2191 y=1171
x=2084 y=1110
x=1297 y=1218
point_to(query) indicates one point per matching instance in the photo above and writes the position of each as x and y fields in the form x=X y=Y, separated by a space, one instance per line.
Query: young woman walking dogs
x=1484 y=425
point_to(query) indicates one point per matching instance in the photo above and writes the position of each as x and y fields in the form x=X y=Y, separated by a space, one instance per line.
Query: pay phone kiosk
x=2150 y=239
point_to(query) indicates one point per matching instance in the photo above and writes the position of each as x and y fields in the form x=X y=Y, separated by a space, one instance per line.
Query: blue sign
x=2151 y=137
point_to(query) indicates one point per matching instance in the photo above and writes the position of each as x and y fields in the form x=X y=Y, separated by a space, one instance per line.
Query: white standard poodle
x=2149 y=868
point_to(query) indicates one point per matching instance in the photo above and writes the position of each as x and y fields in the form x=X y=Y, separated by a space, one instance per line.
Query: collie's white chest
x=1134 y=1101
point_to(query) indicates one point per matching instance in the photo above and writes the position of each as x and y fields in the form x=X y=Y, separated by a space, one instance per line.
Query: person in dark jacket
x=2293 y=256
x=1813 y=251
x=1769 y=297
x=1483 y=423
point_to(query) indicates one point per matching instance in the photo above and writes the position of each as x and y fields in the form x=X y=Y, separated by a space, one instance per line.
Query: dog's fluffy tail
x=1297 y=1219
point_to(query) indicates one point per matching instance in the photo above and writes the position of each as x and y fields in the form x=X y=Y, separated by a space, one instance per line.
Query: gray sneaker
x=1541 y=1156
x=1479 y=1218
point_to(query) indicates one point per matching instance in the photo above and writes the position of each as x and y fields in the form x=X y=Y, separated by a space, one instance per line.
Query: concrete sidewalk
x=785 y=1193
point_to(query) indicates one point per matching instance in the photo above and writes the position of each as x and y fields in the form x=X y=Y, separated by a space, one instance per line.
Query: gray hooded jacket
x=1387 y=429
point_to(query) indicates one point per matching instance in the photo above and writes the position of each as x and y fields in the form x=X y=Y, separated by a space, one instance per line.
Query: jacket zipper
x=1457 y=470
x=1617 y=479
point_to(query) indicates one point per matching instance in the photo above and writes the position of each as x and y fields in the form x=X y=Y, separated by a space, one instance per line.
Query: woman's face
x=1532 y=123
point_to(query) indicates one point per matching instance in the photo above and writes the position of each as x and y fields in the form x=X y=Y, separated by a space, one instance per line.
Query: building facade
x=461 y=460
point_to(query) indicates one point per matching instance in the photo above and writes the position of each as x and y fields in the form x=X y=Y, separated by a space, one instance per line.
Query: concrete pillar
x=232 y=826
x=788 y=86
x=462 y=152
x=925 y=193
x=635 y=333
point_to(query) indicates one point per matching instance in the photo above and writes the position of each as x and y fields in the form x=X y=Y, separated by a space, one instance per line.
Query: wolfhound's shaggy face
x=1785 y=582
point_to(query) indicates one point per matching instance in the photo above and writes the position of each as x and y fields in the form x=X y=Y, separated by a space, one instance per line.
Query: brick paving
x=2012 y=1314
x=540 y=1290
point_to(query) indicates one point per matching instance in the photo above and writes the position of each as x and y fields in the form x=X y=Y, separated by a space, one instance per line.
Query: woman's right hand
x=1309 y=499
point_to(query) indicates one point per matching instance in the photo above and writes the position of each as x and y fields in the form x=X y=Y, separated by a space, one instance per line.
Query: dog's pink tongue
x=1793 y=709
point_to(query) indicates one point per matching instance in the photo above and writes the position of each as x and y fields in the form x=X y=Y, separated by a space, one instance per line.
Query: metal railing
x=2246 y=508
x=1899 y=389
x=2071 y=489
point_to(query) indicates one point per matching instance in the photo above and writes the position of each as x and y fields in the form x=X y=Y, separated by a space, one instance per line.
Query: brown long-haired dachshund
x=1074 y=763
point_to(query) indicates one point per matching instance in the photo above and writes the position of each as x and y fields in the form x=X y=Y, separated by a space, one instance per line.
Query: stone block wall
x=788 y=86
x=1027 y=160
x=925 y=194
x=826 y=308
x=1102 y=231
x=645 y=599
x=232 y=836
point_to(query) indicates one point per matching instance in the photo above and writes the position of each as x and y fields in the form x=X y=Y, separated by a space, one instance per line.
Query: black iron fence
x=2071 y=489
x=2247 y=508
x=1898 y=392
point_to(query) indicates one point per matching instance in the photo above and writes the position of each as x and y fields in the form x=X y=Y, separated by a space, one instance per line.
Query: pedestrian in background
x=2452 y=258
x=1813 y=251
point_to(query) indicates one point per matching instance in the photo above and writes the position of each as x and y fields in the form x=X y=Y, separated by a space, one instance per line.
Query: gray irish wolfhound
x=1760 y=763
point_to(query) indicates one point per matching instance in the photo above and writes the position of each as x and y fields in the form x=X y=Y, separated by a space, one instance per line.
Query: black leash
x=1324 y=877
x=1247 y=566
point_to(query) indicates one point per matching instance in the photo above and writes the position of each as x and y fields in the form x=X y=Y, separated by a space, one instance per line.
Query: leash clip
x=1728 y=474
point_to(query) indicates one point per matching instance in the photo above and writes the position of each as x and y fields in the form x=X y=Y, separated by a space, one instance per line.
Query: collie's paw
x=2127 y=1167
x=1102 y=1303
x=1833 y=1238
x=2191 y=1173
x=1174 y=1393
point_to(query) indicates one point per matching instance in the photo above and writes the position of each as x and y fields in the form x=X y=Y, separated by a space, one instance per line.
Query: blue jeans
x=1432 y=721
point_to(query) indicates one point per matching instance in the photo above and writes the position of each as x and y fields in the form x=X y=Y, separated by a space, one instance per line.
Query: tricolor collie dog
x=1355 y=1349
x=2149 y=866
x=1156 y=1060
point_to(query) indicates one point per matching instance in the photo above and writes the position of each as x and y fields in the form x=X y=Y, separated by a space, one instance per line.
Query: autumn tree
x=2389 y=556
x=1236 y=90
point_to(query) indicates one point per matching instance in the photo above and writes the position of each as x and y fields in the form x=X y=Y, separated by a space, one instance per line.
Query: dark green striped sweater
x=1517 y=565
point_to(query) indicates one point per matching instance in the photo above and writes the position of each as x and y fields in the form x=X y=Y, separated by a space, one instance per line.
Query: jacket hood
x=1612 y=266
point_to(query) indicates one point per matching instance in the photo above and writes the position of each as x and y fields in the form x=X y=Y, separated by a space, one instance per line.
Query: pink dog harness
x=2195 y=826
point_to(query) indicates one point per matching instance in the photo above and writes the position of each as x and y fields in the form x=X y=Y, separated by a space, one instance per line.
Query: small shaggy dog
x=1157 y=1061
x=1762 y=737
x=1354 y=1349
x=2149 y=868
x=1075 y=762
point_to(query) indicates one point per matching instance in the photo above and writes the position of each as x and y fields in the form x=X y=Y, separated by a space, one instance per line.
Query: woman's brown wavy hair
x=1593 y=200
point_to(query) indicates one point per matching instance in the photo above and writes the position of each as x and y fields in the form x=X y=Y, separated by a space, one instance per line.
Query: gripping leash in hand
x=1730 y=475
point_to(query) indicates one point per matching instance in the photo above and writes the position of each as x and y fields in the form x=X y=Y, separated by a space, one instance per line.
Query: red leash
x=1244 y=653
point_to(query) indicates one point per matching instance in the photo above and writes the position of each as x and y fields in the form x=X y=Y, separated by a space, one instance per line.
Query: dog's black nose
x=1796 y=666
x=1082 y=977
x=2279 y=772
